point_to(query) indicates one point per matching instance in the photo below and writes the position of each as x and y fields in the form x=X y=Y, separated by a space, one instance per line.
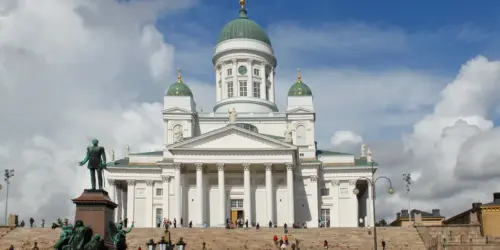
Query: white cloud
x=71 y=71
x=346 y=141
x=452 y=150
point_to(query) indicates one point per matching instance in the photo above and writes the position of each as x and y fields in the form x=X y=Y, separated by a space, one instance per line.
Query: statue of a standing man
x=96 y=157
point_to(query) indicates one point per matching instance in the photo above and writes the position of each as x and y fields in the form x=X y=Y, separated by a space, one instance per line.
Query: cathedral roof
x=299 y=88
x=243 y=27
x=178 y=88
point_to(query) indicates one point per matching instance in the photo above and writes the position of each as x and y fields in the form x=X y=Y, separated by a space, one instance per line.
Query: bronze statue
x=118 y=235
x=96 y=157
x=80 y=238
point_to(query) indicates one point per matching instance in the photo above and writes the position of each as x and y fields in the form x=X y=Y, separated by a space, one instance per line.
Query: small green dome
x=299 y=88
x=243 y=27
x=178 y=88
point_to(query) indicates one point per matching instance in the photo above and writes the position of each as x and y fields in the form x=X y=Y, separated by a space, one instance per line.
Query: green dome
x=299 y=88
x=178 y=88
x=243 y=27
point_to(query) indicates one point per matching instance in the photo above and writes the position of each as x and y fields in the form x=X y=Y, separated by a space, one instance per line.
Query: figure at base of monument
x=118 y=235
x=81 y=238
x=96 y=158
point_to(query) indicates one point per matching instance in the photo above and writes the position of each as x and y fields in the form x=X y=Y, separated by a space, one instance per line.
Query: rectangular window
x=243 y=88
x=325 y=191
x=237 y=203
x=256 y=72
x=325 y=217
x=267 y=92
x=230 y=89
x=256 y=89
x=229 y=72
x=159 y=191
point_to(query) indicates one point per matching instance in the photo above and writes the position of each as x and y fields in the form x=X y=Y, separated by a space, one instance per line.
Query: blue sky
x=451 y=32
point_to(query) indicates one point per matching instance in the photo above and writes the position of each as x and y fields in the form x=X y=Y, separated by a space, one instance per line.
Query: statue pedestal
x=95 y=209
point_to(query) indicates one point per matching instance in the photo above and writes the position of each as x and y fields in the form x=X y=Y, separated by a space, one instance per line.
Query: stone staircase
x=218 y=238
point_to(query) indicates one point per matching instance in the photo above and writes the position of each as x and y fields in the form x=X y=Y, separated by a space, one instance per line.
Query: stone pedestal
x=95 y=209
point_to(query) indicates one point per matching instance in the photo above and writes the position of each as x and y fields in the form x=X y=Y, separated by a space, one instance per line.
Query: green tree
x=381 y=223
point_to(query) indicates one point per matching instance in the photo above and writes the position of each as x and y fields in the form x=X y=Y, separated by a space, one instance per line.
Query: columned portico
x=269 y=193
x=199 y=194
x=166 y=196
x=289 y=185
x=130 y=200
x=222 y=193
x=149 y=203
x=247 y=195
x=178 y=195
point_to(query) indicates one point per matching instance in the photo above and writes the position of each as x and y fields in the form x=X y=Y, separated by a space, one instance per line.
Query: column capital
x=335 y=182
x=246 y=166
x=269 y=166
x=289 y=166
x=177 y=166
x=314 y=178
x=111 y=182
x=166 y=178
x=220 y=166
x=352 y=182
x=150 y=182
x=199 y=166
x=131 y=182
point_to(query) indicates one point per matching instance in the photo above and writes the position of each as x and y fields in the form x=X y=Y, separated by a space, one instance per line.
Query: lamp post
x=163 y=244
x=9 y=173
x=407 y=179
x=372 y=184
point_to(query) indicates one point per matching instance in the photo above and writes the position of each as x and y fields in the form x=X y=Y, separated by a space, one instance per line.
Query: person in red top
x=325 y=244
x=275 y=239
x=286 y=239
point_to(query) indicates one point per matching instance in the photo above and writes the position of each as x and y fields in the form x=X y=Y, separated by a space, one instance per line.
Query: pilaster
x=166 y=196
x=313 y=181
x=269 y=193
x=199 y=194
x=222 y=193
x=290 y=189
x=247 y=195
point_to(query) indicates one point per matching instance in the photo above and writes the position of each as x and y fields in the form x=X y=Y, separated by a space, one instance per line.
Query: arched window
x=301 y=135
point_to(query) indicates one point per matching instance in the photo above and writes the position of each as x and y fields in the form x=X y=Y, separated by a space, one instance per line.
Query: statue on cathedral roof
x=288 y=134
x=232 y=115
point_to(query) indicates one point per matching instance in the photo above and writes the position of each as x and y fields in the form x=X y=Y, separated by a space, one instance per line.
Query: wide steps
x=219 y=238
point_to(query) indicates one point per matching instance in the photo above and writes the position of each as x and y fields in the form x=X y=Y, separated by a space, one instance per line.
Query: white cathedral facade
x=245 y=159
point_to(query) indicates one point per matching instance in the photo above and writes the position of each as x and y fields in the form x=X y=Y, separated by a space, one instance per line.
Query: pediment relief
x=300 y=110
x=176 y=110
x=232 y=137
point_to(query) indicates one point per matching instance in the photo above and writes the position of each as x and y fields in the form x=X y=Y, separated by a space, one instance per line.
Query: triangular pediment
x=176 y=110
x=231 y=137
x=300 y=110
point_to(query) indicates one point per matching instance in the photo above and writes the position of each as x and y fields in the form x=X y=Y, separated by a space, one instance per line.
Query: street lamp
x=9 y=173
x=407 y=179
x=372 y=183
x=151 y=245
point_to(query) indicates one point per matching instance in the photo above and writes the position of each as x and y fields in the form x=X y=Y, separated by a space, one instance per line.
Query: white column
x=130 y=201
x=178 y=195
x=222 y=194
x=112 y=194
x=119 y=201
x=369 y=207
x=291 y=198
x=149 y=204
x=313 y=206
x=247 y=195
x=269 y=194
x=354 y=203
x=124 y=200
x=335 y=212
x=166 y=196
x=199 y=194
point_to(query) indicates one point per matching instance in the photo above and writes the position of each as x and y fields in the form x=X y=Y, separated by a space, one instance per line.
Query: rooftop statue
x=96 y=158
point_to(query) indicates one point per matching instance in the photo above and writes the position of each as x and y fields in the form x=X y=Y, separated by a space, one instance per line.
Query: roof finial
x=299 y=78
x=242 y=3
x=179 y=77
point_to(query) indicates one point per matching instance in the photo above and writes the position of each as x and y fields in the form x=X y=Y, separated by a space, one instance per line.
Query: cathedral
x=245 y=159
